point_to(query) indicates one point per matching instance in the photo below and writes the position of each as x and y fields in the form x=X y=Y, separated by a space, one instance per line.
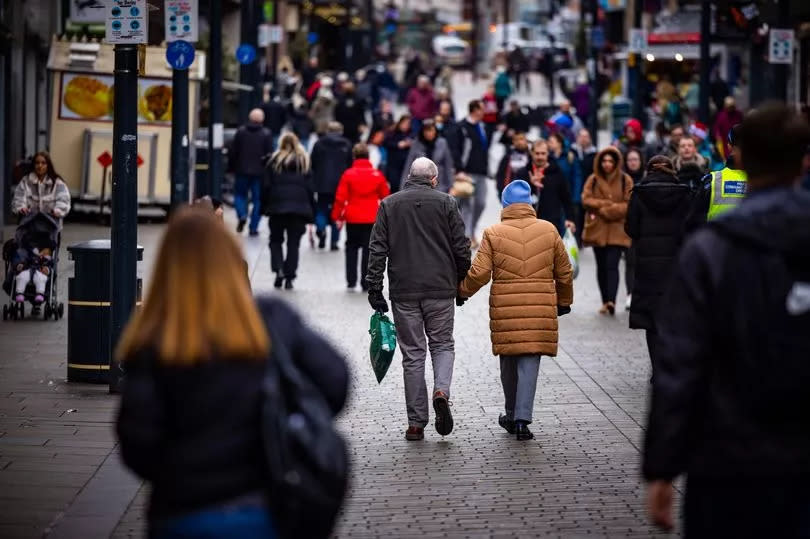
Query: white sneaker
x=628 y=302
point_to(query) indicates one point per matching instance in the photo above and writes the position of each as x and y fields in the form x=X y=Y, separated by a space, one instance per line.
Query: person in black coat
x=195 y=354
x=275 y=116
x=397 y=146
x=730 y=404
x=656 y=221
x=290 y=203
x=351 y=113
x=516 y=158
x=516 y=120
x=331 y=156
x=550 y=187
x=251 y=146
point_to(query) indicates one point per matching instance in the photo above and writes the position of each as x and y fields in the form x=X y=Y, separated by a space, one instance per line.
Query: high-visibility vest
x=728 y=188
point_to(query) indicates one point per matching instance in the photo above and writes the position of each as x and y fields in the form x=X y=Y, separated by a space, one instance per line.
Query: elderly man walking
x=419 y=232
x=251 y=146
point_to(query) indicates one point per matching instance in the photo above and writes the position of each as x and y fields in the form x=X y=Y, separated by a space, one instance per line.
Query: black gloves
x=561 y=310
x=377 y=301
x=460 y=301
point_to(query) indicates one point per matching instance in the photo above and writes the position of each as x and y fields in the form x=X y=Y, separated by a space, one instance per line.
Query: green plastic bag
x=571 y=247
x=383 y=344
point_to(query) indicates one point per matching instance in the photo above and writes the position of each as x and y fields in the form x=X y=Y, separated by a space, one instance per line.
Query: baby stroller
x=41 y=231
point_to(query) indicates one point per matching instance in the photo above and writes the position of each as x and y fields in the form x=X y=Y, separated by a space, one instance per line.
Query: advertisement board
x=86 y=96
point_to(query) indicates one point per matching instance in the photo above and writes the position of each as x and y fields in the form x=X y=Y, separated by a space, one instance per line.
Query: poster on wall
x=90 y=97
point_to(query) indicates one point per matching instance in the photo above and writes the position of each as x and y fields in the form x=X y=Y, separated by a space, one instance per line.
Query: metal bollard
x=88 y=346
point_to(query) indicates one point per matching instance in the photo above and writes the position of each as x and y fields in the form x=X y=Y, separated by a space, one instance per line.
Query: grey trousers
x=414 y=321
x=519 y=381
x=472 y=208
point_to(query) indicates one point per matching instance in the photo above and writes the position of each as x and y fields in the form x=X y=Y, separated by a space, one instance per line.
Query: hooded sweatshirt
x=605 y=200
x=733 y=398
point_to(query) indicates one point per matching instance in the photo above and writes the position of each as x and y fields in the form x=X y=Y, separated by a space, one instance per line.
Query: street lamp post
x=593 y=94
x=180 y=143
x=124 y=214
x=215 y=127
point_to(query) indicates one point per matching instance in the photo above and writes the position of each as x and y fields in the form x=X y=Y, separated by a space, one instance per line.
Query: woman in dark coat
x=429 y=144
x=656 y=221
x=397 y=145
x=289 y=200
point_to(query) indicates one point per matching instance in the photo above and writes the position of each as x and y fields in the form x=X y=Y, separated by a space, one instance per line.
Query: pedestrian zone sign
x=246 y=54
x=780 y=46
x=180 y=54
x=637 y=42
x=126 y=21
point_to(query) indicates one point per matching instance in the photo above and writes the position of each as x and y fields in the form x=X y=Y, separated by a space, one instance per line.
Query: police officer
x=722 y=190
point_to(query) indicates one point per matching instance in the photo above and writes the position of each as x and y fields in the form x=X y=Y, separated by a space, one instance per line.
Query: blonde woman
x=194 y=357
x=289 y=201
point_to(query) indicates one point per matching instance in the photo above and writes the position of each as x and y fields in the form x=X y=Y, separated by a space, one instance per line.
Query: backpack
x=307 y=459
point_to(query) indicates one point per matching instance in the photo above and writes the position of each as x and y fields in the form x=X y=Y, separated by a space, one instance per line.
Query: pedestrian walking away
x=635 y=167
x=397 y=145
x=516 y=158
x=472 y=159
x=251 y=147
x=532 y=283
x=656 y=222
x=199 y=341
x=420 y=235
x=358 y=197
x=331 y=156
x=290 y=204
x=730 y=406
x=605 y=196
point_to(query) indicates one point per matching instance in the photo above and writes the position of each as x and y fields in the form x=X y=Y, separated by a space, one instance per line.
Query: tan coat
x=606 y=204
x=531 y=275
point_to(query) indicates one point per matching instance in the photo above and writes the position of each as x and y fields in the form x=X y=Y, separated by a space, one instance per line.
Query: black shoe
x=334 y=247
x=253 y=233
x=444 y=419
x=279 y=281
x=288 y=284
x=364 y=287
x=507 y=424
x=241 y=226
x=321 y=239
x=522 y=431
x=351 y=286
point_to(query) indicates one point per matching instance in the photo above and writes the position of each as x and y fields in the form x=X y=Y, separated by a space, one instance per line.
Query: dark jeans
x=743 y=508
x=607 y=271
x=323 y=212
x=231 y=520
x=629 y=268
x=357 y=237
x=293 y=226
x=244 y=185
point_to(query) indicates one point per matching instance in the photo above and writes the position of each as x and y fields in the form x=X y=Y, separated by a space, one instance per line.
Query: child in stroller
x=31 y=259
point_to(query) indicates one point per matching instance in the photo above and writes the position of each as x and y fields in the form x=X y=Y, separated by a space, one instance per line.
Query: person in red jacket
x=358 y=197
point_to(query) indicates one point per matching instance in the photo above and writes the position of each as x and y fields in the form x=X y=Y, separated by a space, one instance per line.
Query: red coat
x=359 y=193
x=490 y=109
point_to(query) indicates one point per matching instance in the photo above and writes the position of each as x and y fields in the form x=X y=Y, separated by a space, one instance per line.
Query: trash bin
x=88 y=346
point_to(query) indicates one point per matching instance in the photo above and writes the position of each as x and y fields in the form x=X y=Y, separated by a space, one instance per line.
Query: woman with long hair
x=397 y=145
x=289 y=199
x=41 y=190
x=635 y=168
x=194 y=356
x=605 y=198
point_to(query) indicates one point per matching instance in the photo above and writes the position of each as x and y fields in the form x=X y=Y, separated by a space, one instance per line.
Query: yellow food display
x=88 y=97
x=155 y=105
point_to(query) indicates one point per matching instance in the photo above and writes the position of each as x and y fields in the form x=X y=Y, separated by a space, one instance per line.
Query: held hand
x=377 y=301
x=570 y=226
x=24 y=211
x=563 y=310
x=660 y=496
x=57 y=213
x=460 y=301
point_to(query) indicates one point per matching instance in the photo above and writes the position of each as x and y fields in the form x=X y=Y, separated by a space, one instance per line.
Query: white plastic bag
x=572 y=249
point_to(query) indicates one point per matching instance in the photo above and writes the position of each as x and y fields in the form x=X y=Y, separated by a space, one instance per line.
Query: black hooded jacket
x=730 y=396
x=656 y=219
x=554 y=199
x=331 y=156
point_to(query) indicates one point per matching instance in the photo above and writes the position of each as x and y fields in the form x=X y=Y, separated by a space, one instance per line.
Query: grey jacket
x=441 y=156
x=46 y=196
x=420 y=234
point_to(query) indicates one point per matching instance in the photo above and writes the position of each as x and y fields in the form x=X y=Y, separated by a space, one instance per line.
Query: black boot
x=288 y=284
x=240 y=226
x=507 y=424
x=279 y=280
x=522 y=431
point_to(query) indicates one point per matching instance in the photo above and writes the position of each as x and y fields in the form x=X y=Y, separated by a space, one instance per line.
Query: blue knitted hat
x=517 y=192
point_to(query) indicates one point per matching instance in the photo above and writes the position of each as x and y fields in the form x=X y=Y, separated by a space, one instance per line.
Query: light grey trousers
x=519 y=381
x=422 y=325
x=472 y=208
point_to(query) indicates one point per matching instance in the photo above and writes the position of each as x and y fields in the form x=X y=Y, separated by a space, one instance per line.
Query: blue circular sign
x=246 y=53
x=180 y=54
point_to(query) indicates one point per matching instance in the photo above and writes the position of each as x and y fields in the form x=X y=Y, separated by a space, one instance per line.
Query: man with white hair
x=419 y=232
x=251 y=146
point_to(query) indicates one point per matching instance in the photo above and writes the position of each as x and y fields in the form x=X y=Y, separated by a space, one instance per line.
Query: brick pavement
x=60 y=475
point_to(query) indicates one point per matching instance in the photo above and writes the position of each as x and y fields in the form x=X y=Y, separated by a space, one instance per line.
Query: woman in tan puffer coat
x=605 y=196
x=532 y=281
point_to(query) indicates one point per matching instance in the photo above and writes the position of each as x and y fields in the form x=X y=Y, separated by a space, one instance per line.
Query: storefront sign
x=182 y=21
x=780 y=46
x=90 y=97
x=126 y=21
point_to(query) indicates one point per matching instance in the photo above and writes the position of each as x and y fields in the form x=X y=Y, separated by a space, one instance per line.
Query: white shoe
x=628 y=302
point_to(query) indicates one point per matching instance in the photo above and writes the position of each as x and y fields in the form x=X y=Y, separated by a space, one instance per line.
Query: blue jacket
x=571 y=168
